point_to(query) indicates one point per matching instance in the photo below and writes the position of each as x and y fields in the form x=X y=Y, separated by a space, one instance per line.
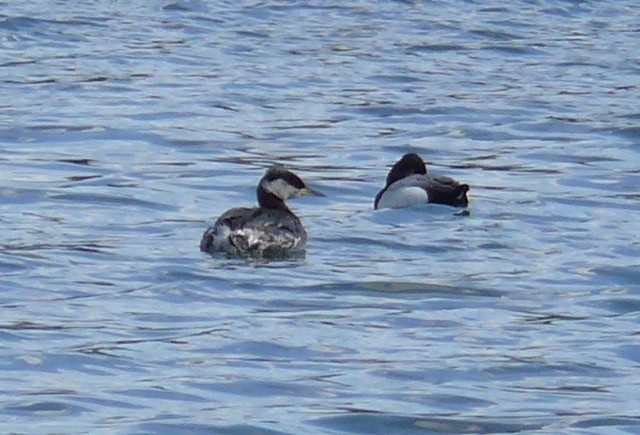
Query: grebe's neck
x=269 y=200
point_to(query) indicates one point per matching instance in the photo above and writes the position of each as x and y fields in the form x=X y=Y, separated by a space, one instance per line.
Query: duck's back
x=422 y=189
x=446 y=190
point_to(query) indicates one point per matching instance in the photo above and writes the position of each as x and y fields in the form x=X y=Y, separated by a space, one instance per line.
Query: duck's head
x=409 y=164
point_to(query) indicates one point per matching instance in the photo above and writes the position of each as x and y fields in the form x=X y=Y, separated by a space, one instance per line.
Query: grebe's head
x=282 y=184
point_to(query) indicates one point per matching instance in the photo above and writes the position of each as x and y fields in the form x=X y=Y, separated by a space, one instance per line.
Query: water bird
x=408 y=185
x=269 y=230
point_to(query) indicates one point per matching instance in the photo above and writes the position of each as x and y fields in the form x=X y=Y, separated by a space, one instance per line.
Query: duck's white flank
x=406 y=196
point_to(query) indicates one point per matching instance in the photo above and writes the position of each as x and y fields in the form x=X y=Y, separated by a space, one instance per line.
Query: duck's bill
x=308 y=191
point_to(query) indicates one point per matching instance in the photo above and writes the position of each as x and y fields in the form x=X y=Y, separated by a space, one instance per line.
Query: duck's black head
x=409 y=164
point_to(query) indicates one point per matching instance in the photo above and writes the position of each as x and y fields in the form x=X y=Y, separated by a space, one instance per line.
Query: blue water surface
x=126 y=128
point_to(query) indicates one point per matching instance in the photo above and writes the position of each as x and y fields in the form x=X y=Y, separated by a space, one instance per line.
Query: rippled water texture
x=127 y=127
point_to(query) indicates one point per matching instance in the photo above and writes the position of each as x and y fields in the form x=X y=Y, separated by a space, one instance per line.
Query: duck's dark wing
x=445 y=190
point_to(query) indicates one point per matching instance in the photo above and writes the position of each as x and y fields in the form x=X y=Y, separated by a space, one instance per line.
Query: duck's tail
x=455 y=197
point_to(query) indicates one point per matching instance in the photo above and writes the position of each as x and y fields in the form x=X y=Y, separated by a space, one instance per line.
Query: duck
x=408 y=185
x=269 y=230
